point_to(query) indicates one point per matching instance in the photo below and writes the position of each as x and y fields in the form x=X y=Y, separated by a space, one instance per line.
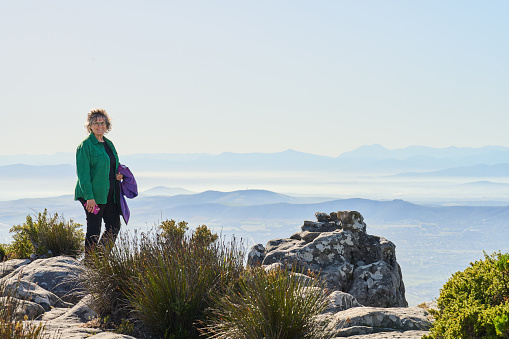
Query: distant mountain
x=371 y=160
x=234 y=198
x=241 y=205
x=30 y=171
x=490 y=153
x=38 y=159
x=166 y=191
x=476 y=171
x=485 y=183
x=284 y=161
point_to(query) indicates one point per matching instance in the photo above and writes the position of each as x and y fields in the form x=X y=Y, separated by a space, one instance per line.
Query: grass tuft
x=274 y=305
x=174 y=289
x=162 y=281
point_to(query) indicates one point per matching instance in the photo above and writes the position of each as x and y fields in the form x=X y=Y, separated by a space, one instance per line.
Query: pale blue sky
x=322 y=77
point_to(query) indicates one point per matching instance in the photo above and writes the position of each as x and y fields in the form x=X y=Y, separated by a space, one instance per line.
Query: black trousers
x=110 y=213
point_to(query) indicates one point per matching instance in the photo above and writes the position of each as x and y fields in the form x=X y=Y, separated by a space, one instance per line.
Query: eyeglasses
x=102 y=123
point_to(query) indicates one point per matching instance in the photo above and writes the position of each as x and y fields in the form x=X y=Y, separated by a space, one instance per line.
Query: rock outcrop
x=368 y=294
x=338 y=248
x=369 y=320
x=48 y=291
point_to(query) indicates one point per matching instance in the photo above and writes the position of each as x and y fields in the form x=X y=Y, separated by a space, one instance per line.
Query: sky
x=205 y=76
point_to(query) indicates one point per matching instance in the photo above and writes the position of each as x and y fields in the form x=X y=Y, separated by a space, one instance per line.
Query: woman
x=97 y=188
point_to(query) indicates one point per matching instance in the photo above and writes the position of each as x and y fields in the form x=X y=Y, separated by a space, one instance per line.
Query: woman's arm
x=83 y=172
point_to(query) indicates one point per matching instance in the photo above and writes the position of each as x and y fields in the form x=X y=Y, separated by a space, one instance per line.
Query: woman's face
x=99 y=126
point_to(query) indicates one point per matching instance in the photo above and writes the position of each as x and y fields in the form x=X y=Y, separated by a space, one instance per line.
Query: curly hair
x=92 y=117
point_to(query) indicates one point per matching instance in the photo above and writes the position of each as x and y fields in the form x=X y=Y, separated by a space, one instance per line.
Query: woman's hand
x=120 y=176
x=91 y=205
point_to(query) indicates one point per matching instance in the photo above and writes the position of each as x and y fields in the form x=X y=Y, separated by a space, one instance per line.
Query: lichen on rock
x=337 y=247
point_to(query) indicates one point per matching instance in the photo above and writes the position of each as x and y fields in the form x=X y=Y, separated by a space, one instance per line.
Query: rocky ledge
x=49 y=292
x=368 y=295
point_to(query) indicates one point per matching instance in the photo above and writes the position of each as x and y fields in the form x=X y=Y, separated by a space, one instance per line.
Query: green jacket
x=93 y=169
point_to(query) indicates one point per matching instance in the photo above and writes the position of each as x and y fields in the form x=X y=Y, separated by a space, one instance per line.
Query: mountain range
x=367 y=159
x=414 y=173
x=432 y=241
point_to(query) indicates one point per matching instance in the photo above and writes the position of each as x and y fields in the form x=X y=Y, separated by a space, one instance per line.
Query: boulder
x=36 y=289
x=80 y=313
x=365 y=320
x=340 y=301
x=29 y=291
x=58 y=275
x=390 y=335
x=256 y=255
x=338 y=248
x=23 y=308
x=7 y=267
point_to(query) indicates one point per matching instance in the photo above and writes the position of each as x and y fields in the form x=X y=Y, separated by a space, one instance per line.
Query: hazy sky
x=322 y=77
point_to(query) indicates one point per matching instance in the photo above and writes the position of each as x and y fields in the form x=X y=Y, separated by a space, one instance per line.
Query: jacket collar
x=94 y=139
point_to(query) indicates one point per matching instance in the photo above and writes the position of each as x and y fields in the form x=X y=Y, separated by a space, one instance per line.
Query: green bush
x=21 y=247
x=474 y=303
x=47 y=233
x=275 y=305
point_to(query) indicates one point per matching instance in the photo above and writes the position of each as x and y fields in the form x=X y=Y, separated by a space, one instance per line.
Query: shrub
x=161 y=280
x=173 y=230
x=107 y=275
x=474 y=303
x=47 y=233
x=21 y=247
x=172 y=292
x=275 y=304
x=204 y=235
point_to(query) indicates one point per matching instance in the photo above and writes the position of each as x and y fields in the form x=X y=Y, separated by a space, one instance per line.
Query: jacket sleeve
x=129 y=185
x=83 y=171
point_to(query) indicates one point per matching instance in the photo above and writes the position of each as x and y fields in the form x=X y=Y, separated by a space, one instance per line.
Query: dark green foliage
x=21 y=247
x=47 y=233
x=501 y=323
x=3 y=252
x=275 y=305
x=474 y=303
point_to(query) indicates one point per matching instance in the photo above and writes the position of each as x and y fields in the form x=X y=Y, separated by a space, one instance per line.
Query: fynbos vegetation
x=47 y=235
x=270 y=304
x=474 y=303
x=162 y=280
